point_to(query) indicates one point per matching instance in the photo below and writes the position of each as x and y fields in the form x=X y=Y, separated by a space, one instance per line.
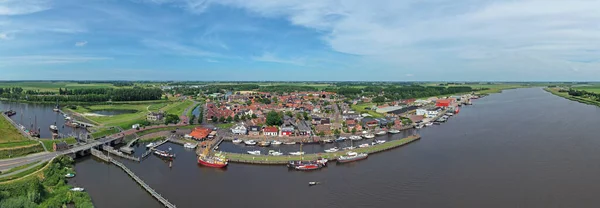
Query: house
x=254 y=130
x=325 y=129
x=443 y=103
x=200 y=133
x=370 y=122
x=416 y=118
x=270 y=131
x=325 y=121
x=239 y=130
x=60 y=146
x=304 y=128
x=153 y=116
x=433 y=112
x=287 y=130
x=421 y=112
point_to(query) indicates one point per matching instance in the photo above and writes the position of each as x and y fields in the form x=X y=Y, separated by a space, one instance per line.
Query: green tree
x=249 y=102
x=193 y=119
x=229 y=119
x=236 y=118
x=321 y=134
x=171 y=119
x=222 y=119
x=336 y=132
x=289 y=113
x=299 y=116
x=354 y=130
x=275 y=100
x=274 y=119
x=379 y=100
x=215 y=119
x=306 y=116
x=254 y=116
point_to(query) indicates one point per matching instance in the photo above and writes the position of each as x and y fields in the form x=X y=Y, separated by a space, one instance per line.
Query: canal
x=519 y=148
x=40 y=116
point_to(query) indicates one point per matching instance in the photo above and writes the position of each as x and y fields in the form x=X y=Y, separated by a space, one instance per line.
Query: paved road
x=14 y=162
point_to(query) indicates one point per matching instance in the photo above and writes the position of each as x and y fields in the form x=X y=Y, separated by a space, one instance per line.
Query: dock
x=127 y=148
x=151 y=149
x=111 y=150
x=152 y=192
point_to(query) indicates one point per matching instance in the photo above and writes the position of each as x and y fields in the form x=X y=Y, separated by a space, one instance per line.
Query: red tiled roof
x=270 y=129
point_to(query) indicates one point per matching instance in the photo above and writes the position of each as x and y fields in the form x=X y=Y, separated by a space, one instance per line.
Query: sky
x=300 y=40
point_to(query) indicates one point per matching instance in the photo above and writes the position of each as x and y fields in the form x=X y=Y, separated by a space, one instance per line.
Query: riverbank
x=555 y=91
x=281 y=160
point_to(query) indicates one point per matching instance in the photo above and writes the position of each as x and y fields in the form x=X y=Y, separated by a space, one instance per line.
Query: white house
x=427 y=113
x=432 y=113
x=239 y=130
x=421 y=112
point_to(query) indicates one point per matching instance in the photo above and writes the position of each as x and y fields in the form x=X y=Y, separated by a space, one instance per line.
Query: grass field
x=124 y=120
x=591 y=88
x=53 y=86
x=24 y=173
x=105 y=132
x=573 y=98
x=18 y=168
x=8 y=133
x=177 y=108
x=359 y=108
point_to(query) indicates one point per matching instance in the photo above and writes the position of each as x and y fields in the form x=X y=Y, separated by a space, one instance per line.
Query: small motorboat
x=381 y=133
x=264 y=143
x=328 y=141
x=190 y=145
x=312 y=183
x=250 y=142
x=67 y=118
x=333 y=149
x=379 y=141
x=394 y=131
x=151 y=144
x=352 y=156
x=275 y=142
x=349 y=148
x=289 y=143
x=340 y=139
x=254 y=152
x=296 y=153
x=164 y=154
x=275 y=153
x=70 y=175
x=363 y=145
x=78 y=189
x=369 y=136
x=418 y=126
x=236 y=141
x=53 y=128
x=355 y=138
x=429 y=124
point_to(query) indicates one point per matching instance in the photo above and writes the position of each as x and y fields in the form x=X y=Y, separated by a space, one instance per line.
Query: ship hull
x=212 y=165
x=352 y=159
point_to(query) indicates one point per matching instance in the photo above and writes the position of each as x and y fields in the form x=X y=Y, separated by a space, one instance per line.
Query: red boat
x=309 y=166
x=457 y=110
x=214 y=162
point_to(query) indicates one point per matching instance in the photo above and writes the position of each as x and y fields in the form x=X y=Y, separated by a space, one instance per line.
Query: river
x=39 y=116
x=519 y=148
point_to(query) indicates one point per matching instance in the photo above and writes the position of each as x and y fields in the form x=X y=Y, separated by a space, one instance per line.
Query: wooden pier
x=152 y=192
x=111 y=150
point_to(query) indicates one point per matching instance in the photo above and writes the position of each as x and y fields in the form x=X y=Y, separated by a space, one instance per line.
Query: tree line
x=85 y=95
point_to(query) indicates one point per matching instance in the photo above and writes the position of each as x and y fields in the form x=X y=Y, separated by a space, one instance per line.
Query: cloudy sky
x=407 y=40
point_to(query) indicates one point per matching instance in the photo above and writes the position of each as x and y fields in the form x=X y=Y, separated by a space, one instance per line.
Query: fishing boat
x=254 y=152
x=429 y=124
x=349 y=148
x=296 y=153
x=379 y=141
x=70 y=175
x=10 y=113
x=151 y=144
x=352 y=156
x=275 y=142
x=236 y=141
x=53 y=128
x=312 y=183
x=328 y=141
x=307 y=165
x=78 y=189
x=264 y=143
x=57 y=107
x=418 y=126
x=381 y=133
x=289 y=143
x=214 y=161
x=369 y=136
x=340 y=139
x=363 y=145
x=355 y=138
x=333 y=149
x=190 y=145
x=164 y=154
x=394 y=131
x=275 y=153
x=250 y=142
x=449 y=114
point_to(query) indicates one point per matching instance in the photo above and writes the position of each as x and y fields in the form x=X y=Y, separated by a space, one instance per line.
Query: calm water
x=28 y=114
x=520 y=148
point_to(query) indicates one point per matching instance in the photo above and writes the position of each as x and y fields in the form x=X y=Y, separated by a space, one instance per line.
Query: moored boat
x=328 y=141
x=363 y=145
x=78 y=189
x=164 y=154
x=296 y=153
x=264 y=143
x=212 y=161
x=70 y=175
x=275 y=153
x=369 y=136
x=254 y=152
x=355 y=138
x=381 y=133
x=394 y=131
x=53 y=128
x=250 y=142
x=151 y=144
x=236 y=141
x=352 y=156
x=429 y=124
x=333 y=149
x=379 y=141
x=275 y=142
x=190 y=145
x=289 y=143
x=10 y=113
x=340 y=139
x=307 y=165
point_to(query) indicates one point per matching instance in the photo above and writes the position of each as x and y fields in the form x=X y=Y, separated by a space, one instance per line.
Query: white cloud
x=80 y=43
x=20 y=7
x=47 y=59
x=269 y=57
x=5 y=36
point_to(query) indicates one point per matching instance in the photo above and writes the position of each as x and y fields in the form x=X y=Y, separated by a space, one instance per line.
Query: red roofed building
x=200 y=133
x=443 y=103
x=270 y=131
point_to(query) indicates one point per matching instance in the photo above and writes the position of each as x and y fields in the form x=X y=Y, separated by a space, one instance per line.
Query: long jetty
x=152 y=192
x=281 y=160
x=149 y=151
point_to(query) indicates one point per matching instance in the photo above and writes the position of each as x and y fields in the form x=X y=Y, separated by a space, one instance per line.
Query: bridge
x=85 y=124
x=152 y=192
x=127 y=148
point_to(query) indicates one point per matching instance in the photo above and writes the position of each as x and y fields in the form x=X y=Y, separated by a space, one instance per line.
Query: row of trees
x=87 y=95
x=402 y=92
x=583 y=93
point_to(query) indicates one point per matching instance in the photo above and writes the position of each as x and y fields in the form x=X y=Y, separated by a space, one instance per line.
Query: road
x=15 y=162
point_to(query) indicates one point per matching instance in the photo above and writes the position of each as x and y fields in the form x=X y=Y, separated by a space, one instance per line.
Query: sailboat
x=56 y=108
x=33 y=132
x=351 y=147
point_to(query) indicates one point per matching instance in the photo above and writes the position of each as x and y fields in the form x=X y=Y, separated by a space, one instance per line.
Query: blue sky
x=410 y=40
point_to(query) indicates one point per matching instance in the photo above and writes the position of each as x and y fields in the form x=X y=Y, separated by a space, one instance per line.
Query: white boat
x=79 y=189
x=394 y=131
x=190 y=145
x=369 y=136
x=418 y=126
x=67 y=118
x=250 y=142
x=255 y=152
x=349 y=148
x=333 y=149
x=150 y=145
x=296 y=153
x=328 y=140
x=53 y=128
x=341 y=139
x=355 y=138
x=363 y=145
x=275 y=153
x=237 y=141
x=70 y=175
x=429 y=124
x=380 y=133
x=312 y=183
x=275 y=142
x=379 y=141
x=289 y=143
